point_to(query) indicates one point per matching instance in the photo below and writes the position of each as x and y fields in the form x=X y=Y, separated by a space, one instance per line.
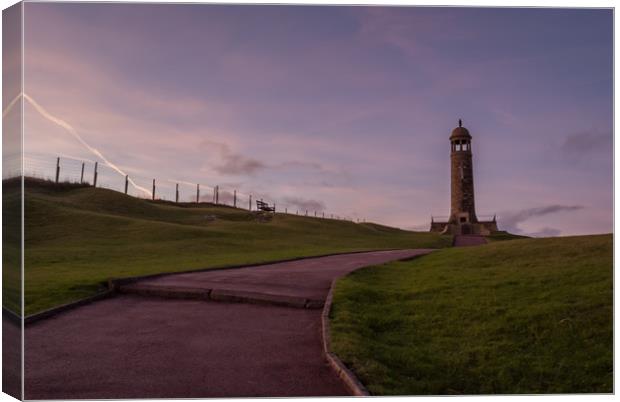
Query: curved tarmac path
x=132 y=346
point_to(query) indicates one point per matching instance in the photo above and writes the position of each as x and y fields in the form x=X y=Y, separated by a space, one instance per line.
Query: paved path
x=469 y=240
x=296 y=283
x=150 y=347
x=11 y=355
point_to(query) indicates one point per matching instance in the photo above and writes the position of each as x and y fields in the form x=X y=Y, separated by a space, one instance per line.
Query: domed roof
x=460 y=132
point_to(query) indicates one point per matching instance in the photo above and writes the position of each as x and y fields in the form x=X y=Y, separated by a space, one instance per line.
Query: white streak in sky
x=73 y=132
x=11 y=104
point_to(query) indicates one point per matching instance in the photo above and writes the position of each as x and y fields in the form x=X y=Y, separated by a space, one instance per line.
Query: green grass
x=520 y=316
x=11 y=246
x=78 y=237
x=503 y=235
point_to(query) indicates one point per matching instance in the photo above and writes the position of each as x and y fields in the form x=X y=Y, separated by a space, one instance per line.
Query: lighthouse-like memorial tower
x=462 y=218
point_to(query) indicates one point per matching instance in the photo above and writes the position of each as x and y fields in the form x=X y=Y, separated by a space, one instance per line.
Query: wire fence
x=98 y=174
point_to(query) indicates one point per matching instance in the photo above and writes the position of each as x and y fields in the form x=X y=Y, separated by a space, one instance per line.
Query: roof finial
x=460 y=123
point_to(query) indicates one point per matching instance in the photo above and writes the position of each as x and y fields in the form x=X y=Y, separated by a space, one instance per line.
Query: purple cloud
x=585 y=143
x=304 y=205
x=236 y=164
x=511 y=220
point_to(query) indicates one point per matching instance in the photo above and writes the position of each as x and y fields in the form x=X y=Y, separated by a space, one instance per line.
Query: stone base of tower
x=479 y=228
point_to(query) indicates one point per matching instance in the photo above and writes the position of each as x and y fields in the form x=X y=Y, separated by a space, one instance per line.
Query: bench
x=263 y=206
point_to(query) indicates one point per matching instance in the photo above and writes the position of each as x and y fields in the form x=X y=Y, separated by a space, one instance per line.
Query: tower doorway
x=466 y=229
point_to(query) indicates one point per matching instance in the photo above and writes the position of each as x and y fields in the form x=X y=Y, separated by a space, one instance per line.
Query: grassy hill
x=77 y=237
x=11 y=246
x=515 y=316
x=503 y=235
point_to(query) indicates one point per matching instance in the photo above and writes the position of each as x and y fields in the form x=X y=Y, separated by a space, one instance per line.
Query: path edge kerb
x=41 y=315
x=342 y=371
x=349 y=379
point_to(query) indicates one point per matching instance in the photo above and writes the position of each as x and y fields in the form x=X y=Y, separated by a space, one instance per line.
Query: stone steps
x=219 y=295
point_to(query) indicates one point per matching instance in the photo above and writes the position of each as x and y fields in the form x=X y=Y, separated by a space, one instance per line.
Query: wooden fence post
x=217 y=195
x=57 y=169
x=126 y=183
x=315 y=214
x=323 y=214
x=197 y=193
x=82 y=175
x=250 y=203
x=235 y=199
x=153 y=194
x=176 y=197
x=306 y=212
x=95 y=175
x=274 y=207
x=286 y=210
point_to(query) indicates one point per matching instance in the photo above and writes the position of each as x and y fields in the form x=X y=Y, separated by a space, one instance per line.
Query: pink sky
x=346 y=108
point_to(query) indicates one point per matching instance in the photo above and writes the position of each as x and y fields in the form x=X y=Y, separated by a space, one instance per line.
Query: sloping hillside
x=77 y=237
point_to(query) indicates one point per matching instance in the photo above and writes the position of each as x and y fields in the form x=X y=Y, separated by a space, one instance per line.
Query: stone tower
x=462 y=207
x=463 y=219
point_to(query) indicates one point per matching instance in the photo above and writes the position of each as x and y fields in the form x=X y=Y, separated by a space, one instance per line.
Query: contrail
x=10 y=105
x=71 y=131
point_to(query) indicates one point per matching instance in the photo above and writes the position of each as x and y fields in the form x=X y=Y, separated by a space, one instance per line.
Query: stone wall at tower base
x=479 y=228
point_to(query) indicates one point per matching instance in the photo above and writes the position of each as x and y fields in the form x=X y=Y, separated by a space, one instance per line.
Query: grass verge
x=503 y=235
x=521 y=316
